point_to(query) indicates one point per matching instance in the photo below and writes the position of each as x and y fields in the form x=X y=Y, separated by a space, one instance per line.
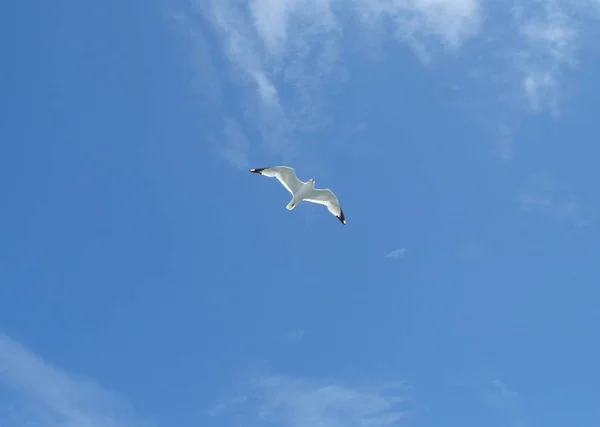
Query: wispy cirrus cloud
x=472 y=251
x=286 y=52
x=290 y=55
x=493 y=392
x=498 y=396
x=423 y=24
x=294 y=335
x=550 y=35
x=300 y=402
x=397 y=253
x=544 y=195
x=43 y=395
x=235 y=146
x=527 y=61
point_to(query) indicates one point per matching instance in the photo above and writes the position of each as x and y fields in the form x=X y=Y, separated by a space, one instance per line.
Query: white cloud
x=495 y=395
x=48 y=397
x=544 y=195
x=205 y=80
x=550 y=40
x=421 y=22
x=285 y=51
x=235 y=145
x=398 y=253
x=295 y=335
x=289 y=54
x=472 y=251
x=502 y=396
x=298 y=402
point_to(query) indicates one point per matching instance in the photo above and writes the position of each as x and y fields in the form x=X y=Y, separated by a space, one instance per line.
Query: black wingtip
x=342 y=218
x=257 y=170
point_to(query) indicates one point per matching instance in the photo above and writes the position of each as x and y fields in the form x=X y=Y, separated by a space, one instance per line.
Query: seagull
x=303 y=190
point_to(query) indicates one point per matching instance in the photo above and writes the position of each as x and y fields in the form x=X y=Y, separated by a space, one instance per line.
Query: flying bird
x=303 y=190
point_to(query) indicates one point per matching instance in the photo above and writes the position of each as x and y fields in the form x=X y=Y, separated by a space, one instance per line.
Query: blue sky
x=147 y=279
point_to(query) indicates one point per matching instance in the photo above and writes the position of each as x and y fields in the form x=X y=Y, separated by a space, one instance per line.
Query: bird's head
x=312 y=180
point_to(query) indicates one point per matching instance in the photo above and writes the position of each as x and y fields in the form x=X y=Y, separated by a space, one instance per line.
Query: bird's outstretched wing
x=327 y=198
x=284 y=174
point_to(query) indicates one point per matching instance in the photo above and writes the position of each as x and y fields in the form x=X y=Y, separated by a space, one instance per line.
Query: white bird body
x=302 y=193
x=301 y=190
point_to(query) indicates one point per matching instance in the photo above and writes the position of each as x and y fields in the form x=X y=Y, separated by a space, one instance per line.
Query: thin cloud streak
x=550 y=36
x=235 y=146
x=472 y=251
x=398 y=253
x=48 y=397
x=306 y=403
x=295 y=335
x=289 y=54
x=547 y=196
x=505 y=400
x=294 y=47
x=493 y=393
x=302 y=402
